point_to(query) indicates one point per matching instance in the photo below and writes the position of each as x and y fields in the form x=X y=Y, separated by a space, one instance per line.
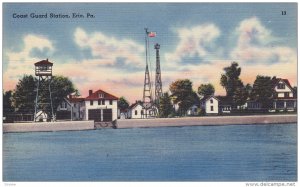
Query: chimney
x=90 y=92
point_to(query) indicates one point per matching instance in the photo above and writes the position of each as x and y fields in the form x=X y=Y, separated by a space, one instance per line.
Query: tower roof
x=43 y=62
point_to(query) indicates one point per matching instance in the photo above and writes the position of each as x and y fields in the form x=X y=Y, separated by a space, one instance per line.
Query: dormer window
x=101 y=95
x=281 y=86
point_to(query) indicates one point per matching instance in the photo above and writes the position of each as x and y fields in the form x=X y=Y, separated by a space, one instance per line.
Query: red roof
x=76 y=99
x=44 y=62
x=106 y=96
x=286 y=81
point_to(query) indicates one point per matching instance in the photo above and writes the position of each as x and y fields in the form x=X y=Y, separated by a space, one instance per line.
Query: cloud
x=257 y=45
x=195 y=42
x=117 y=65
x=108 y=50
x=22 y=62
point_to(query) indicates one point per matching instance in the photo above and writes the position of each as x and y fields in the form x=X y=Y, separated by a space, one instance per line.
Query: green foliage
x=206 y=89
x=61 y=87
x=295 y=89
x=240 y=96
x=236 y=92
x=183 y=94
x=24 y=94
x=263 y=91
x=123 y=103
x=230 y=80
x=7 y=103
x=200 y=112
x=165 y=106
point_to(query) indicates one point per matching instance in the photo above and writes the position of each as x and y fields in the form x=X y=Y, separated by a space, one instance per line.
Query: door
x=95 y=114
x=107 y=114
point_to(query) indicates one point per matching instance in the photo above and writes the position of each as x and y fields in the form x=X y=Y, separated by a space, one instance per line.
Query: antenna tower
x=158 y=83
x=147 y=94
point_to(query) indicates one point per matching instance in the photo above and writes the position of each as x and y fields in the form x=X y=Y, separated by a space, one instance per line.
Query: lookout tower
x=43 y=69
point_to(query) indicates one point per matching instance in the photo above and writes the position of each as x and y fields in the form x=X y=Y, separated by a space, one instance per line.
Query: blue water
x=199 y=153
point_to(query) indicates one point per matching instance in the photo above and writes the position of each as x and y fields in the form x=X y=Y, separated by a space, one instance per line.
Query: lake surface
x=197 y=153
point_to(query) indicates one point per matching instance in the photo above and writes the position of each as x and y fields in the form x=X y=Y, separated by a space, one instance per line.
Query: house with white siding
x=137 y=111
x=69 y=108
x=100 y=106
x=284 y=98
x=210 y=104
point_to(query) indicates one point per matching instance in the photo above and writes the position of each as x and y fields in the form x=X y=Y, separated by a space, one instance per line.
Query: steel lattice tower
x=158 y=83
x=147 y=94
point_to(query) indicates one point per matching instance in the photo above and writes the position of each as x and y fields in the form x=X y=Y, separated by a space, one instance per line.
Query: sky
x=107 y=50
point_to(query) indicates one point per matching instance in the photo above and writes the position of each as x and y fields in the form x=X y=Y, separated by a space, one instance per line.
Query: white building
x=69 y=109
x=210 y=104
x=285 y=97
x=100 y=106
x=136 y=111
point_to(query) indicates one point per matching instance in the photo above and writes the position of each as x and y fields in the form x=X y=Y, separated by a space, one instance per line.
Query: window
x=63 y=105
x=99 y=102
x=211 y=101
x=211 y=108
x=280 y=104
x=290 y=104
x=286 y=94
x=110 y=102
x=142 y=112
x=74 y=104
x=281 y=86
x=135 y=112
x=103 y=102
x=101 y=95
x=91 y=103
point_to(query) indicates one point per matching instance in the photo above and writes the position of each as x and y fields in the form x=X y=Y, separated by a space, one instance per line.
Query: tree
x=182 y=94
x=263 y=91
x=7 y=103
x=61 y=87
x=123 y=103
x=165 y=105
x=24 y=94
x=295 y=90
x=206 y=90
x=230 y=80
x=240 y=96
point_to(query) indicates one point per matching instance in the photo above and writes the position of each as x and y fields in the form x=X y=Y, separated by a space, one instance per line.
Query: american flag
x=151 y=34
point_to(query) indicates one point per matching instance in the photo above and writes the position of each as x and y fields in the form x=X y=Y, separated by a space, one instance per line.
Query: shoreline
x=48 y=126
x=207 y=120
x=152 y=123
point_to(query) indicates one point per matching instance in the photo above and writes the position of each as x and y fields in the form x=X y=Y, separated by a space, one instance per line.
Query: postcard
x=202 y=92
